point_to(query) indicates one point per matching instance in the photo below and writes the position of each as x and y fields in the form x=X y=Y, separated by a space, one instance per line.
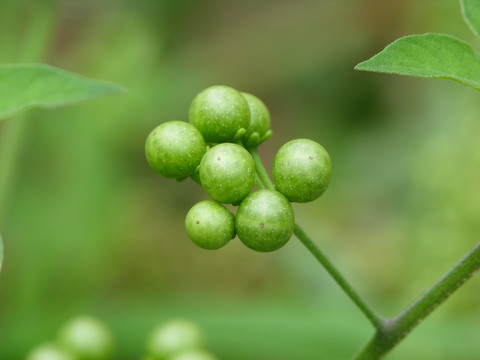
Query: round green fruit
x=49 y=352
x=87 y=338
x=210 y=225
x=259 y=128
x=174 y=149
x=302 y=170
x=265 y=220
x=194 y=355
x=173 y=338
x=221 y=114
x=227 y=173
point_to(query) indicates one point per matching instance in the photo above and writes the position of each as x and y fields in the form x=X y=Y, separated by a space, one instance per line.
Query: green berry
x=210 y=225
x=265 y=220
x=50 y=352
x=87 y=338
x=259 y=128
x=194 y=355
x=302 y=170
x=174 y=149
x=221 y=114
x=173 y=338
x=227 y=173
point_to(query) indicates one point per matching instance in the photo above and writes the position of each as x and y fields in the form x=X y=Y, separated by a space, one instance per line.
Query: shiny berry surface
x=174 y=149
x=227 y=173
x=302 y=170
x=210 y=225
x=265 y=220
x=219 y=112
x=259 y=128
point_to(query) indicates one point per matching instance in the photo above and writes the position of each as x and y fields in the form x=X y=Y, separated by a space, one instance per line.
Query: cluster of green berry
x=233 y=124
x=87 y=338
x=82 y=338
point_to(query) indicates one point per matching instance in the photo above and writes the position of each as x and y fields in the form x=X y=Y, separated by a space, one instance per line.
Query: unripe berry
x=259 y=128
x=87 y=338
x=302 y=170
x=173 y=338
x=227 y=173
x=210 y=225
x=221 y=114
x=50 y=352
x=265 y=220
x=174 y=149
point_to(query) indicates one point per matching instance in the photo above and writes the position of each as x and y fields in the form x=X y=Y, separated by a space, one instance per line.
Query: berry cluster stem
x=393 y=330
x=374 y=318
x=389 y=331
x=260 y=169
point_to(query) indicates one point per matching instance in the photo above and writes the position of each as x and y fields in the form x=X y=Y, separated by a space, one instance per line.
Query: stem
x=10 y=145
x=31 y=47
x=396 y=328
x=262 y=173
x=389 y=332
x=374 y=318
x=258 y=182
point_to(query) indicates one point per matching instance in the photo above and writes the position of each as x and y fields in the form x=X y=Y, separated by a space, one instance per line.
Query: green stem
x=31 y=47
x=10 y=146
x=389 y=332
x=396 y=328
x=262 y=173
x=374 y=318
x=258 y=182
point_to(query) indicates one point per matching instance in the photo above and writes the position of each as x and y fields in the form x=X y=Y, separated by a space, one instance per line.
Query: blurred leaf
x=430 y=56
x=24 y=86
x=471 y=14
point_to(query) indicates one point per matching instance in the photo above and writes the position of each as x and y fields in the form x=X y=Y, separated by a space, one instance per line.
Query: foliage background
x=91 y=229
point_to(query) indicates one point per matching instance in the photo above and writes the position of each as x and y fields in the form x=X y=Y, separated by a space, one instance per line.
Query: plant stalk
x=371 y=315
x=31 y=47
x=10 y=146
x=260 y=169
x=376 y=320
x=395 y=329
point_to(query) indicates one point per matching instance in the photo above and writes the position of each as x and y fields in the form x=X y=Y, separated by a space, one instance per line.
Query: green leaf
x=25 y=86
x=430 y=56
x=1 y=252
x=471 y=14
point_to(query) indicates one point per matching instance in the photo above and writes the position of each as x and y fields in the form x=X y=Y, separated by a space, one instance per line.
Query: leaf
x=471 y=14
x=25 y=86
x=429 y=56
x=1 y=252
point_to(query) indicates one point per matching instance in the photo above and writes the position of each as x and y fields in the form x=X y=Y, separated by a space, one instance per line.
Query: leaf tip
x=363 y=66
x=118 y=89
x=111 y=88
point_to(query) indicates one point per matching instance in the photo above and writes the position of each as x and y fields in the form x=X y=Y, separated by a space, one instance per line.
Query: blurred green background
x=91 y=229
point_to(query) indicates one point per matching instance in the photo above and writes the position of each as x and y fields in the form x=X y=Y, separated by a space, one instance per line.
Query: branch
x=374 y=318
x=396 y=328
